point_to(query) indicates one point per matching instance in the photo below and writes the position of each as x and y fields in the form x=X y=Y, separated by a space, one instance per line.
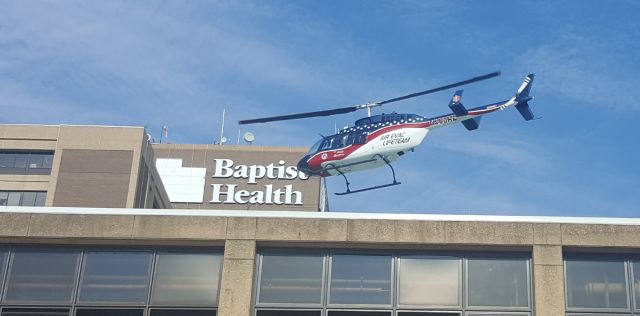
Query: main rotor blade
x=300 y=115
x=350 y=109
x=449 y=86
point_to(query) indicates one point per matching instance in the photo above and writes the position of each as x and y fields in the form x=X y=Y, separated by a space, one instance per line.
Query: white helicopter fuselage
x=391 y=145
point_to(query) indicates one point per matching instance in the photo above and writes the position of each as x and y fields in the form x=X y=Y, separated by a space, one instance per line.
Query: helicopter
x=378 y=140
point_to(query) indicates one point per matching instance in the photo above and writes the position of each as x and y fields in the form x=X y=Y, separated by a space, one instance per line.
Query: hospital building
x=102 y=221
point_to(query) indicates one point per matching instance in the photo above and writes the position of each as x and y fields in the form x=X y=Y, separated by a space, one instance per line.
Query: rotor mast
x=368 y=106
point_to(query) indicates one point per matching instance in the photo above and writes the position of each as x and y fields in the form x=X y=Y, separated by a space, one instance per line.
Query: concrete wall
x=241 y=236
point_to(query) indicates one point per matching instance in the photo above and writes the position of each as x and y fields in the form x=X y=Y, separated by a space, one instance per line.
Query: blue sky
x=179 y=63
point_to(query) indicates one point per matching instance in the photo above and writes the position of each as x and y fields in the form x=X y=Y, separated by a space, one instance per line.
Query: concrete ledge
x=240 y=249
x=241 y=227
x=547 y=255
x=489 y=233
x=547 y=234
x=80 y=226
x=301 y=229
x=178 y=227
x=600 y=235
x=12 y=224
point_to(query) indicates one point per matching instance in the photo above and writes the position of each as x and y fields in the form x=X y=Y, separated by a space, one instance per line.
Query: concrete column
x=236 y=286
x=548 y=280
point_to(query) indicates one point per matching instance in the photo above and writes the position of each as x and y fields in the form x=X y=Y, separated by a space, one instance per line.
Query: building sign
x=266 y=194
x=237 y=177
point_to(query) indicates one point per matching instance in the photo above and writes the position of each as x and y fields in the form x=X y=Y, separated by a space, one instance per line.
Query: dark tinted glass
x=288 y=313
x=3 y=263
x=360 y=279
x=186 y=279
x=182 y=312
x=41 y=198
x=28 y=199
x=41 y=276
x=498 y=282
x=4 y=198
x=115 y=277
x=34 y=312
x=36 y=161
x=636 y=283
x=596 y=284
x=7 y=160
x=358 y=313
x=22 y=198
x=433 y=314
x=26 y=162
x=14 y=198
x=109 y=312
x=20 y=160
x=291 y=278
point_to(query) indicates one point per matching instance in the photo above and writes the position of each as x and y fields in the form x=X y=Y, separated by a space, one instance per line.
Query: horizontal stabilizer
x=472 y=124
x=456 y=106
x=525 y=111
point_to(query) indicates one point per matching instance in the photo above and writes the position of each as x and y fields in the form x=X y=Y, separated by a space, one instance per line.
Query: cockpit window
x=339 y=141
x=314 y=148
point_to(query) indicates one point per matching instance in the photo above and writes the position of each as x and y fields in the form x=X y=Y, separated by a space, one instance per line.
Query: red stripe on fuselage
x=316 y=161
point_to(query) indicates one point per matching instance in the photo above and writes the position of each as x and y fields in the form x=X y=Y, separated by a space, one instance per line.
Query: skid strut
x=393 y=172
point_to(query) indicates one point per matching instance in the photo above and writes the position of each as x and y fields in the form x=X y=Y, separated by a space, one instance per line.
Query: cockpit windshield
x=314 y=148
x=339 y=141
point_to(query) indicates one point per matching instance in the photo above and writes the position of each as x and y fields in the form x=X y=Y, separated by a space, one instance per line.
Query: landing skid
x=369 y=188
x=393 y=172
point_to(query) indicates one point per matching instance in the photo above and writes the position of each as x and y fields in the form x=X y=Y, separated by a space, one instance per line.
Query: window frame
x=510 y=256
x=392 y=278
x=74 y=304
x=3 y=300
x=461 y=310
x=101 y=304
x=47 y=155
x=21 y=198
x=158 y=251
x=303 y=306
x=628 y=272
x=47 y=307
x=461 y=282
x=4 y=270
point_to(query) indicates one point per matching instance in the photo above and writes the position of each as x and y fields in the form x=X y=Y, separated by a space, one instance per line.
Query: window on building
x=115 y=277
x=4 y=254
x=291 y=278
x=636 y=283
x=288 y=313
x=186 y=279
x=498 y=282
x=361 y=284
x=109 y=312
x=359 y=313
x=35 y=312
x=429 y=281
x=182 y=312
x=22 y=198
x=596 y=284
x=24 y=162
x=418 y=313
x=360 y=279
x=38 y=275
x=108 y=282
